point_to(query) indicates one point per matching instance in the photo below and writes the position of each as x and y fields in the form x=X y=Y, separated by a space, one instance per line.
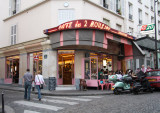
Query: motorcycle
x=121 y=85
x=141 y=84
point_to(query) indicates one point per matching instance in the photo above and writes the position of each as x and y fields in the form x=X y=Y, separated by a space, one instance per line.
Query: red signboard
x=36 y=57
x=86 y=24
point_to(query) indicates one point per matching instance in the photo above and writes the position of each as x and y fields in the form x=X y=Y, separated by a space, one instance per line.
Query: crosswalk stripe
x=28 y=111
x=91 y=96
x=43 y=106
x=79 y=99
x=58 y=101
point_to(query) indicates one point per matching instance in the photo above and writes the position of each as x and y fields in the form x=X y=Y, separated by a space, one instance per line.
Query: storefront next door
x=65 y=67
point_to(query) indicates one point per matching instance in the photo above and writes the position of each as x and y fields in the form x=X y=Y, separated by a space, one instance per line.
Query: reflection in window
x=87 y=68
x=94 y=68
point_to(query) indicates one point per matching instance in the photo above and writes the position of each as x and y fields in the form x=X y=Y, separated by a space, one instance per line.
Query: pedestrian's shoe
x=39 y=99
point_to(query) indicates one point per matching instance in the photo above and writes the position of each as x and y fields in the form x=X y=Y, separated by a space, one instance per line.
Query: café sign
x=147 y=29
x=85 y=24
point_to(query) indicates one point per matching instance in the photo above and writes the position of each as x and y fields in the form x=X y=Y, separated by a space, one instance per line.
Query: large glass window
x=96 y=62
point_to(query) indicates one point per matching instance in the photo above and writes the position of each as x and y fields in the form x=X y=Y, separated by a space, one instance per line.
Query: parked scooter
x=141 y=84
x=122 y=85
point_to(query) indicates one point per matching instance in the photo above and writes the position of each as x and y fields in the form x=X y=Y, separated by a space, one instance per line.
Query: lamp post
x=156 y=66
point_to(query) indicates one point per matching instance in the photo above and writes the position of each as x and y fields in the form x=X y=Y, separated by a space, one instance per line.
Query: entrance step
x=65 y=87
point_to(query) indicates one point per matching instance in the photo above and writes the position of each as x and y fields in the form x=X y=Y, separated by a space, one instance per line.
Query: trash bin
x=52 y=83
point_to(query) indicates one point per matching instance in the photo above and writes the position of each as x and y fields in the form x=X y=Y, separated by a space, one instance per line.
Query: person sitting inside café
x=100 y=74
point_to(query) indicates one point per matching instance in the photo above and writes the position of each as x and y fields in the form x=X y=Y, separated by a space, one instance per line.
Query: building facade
x=69 y=53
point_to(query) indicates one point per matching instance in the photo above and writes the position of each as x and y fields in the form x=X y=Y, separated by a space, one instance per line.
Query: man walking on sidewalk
x=27 y=82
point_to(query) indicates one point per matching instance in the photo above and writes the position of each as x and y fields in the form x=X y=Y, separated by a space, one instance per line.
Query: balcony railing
x=130 y=16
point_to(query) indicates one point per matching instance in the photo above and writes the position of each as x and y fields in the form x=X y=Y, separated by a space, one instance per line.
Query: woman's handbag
x=41 y=85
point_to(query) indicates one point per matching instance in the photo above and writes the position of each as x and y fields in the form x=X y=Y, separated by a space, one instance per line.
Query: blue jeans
x=27 y=87
x=39 y=91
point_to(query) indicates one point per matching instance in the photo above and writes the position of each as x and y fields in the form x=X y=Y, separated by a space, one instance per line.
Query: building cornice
x=27 y=9
x=24 y=47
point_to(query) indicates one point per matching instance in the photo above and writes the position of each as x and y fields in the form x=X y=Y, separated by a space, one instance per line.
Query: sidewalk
x=60 y=93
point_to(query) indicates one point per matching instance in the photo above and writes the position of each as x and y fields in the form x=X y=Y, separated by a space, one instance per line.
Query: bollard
x=2 y=102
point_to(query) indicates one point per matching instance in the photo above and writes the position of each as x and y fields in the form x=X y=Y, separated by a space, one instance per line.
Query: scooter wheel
x=135 y=92
x=116 y=92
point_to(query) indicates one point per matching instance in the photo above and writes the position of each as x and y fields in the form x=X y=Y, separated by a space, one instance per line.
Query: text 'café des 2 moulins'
x=86 y=46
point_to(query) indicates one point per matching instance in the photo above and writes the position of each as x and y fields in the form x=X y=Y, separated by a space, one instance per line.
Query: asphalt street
x=124 y=103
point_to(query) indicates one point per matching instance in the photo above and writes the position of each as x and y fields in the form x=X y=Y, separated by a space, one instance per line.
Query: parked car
x=153 y=77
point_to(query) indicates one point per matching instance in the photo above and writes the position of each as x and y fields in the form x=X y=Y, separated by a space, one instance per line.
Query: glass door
x=12 y=69
x=65 y=67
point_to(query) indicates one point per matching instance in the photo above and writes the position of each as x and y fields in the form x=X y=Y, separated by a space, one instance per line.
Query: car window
x=153 y=73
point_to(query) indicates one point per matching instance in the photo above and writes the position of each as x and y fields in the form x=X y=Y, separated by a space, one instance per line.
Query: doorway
x=12 y=69
x=66 y=67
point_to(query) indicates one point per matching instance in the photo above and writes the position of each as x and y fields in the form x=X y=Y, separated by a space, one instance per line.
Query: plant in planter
x=119 y=11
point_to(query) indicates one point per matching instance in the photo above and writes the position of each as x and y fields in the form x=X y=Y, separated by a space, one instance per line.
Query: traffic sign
x=36 y=57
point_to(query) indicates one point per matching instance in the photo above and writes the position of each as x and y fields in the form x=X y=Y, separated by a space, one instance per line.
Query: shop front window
x=93 y=68
x=12 y=64
x=37 y=62
x=87 y=68
x=95 y=63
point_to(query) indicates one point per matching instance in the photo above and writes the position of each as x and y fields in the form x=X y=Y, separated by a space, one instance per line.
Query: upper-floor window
x=14 y=7
x=106 y=21
x=65 y=15
x=140 y=16
x=152 y=5
x=106 y=3
x=159 y=27
x=118 y=27
x=130 y=31
x=13 y=34
x=158 y=8
x=146 y=18
x=130 y=11
x=140 y=1
x=152 y=19
x=118 y=7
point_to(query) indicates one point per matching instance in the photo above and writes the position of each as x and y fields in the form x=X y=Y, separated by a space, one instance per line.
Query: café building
x=84 y=47
x=74 y=50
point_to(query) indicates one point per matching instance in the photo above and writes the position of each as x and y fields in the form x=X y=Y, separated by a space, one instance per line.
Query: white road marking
x=28 y=111
x=79 y=99
x=38 y=105
x=57 y=101
x=91 y=96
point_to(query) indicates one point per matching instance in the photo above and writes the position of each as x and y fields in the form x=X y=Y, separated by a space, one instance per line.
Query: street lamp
x=156 y=67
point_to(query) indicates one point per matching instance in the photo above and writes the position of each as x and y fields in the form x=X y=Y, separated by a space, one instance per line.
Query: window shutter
x=12 y=30
x=123 y=7
x=17 y=5
x=15 y=33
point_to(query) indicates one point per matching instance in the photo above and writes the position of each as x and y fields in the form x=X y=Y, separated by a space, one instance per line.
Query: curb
x=61 y=93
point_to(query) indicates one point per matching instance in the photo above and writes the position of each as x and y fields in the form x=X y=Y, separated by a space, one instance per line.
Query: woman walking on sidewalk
x=39 y=81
